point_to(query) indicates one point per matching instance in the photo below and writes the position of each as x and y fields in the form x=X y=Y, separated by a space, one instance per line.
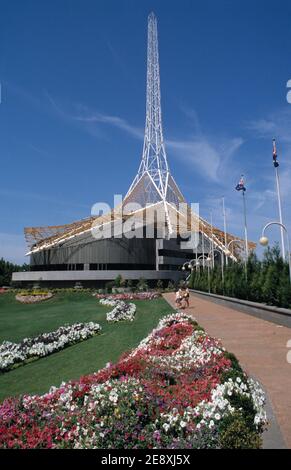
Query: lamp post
x=203 y=249
x=208 y=260
x=204 y=257
x=264 y=241
x=224 y=226
x=190 y=264
x=222 y=265
x=245 y=261
x=212 y=244
x=184 y=266
x=193 y=262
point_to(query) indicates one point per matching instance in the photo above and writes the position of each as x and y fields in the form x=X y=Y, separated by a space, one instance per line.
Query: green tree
x=267 y=280
x=6 y=270
x=118 y=280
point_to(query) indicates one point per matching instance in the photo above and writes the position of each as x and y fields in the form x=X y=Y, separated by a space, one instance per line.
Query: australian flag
x=241 y=185
x=275 y=156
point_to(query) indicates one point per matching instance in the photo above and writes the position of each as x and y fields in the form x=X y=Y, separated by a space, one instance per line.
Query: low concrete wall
x=74 y=276
x=280 y=316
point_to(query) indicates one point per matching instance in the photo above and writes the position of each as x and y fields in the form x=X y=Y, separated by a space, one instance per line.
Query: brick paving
x=259 y=345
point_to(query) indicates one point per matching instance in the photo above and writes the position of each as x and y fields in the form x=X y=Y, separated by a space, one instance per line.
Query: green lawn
x=18 y=321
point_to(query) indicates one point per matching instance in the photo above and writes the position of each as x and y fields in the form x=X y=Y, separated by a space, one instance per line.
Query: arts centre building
x=150 y=234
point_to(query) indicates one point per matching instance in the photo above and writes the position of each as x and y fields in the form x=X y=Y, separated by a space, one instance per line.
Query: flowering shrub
x=169 y=392
x=15 y=354
x=121 y=311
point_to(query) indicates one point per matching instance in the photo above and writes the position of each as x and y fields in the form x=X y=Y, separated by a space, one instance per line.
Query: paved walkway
x=259 y=345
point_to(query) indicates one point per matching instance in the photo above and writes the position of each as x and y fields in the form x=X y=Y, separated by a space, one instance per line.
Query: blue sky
x=73 y=76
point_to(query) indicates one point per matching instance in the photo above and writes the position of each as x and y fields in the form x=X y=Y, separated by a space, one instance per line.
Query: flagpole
x=224 y=223
x=212 y=244
x=203 y=250
x=276 y=165
x=245 y=223
x=280 y=212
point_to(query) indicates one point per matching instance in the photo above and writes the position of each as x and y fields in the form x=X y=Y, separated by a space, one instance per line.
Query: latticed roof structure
x=153 y=189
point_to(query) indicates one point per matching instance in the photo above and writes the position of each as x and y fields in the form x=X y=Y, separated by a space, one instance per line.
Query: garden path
x=259 y=345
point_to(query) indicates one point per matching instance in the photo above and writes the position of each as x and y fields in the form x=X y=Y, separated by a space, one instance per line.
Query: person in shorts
x=179 y=298
x=186 y=296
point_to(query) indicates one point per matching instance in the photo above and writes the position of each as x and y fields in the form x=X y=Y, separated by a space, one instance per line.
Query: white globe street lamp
x=264 y=241
x=244 y=249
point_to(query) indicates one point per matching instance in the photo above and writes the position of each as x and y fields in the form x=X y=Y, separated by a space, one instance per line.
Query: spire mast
x=153 y=182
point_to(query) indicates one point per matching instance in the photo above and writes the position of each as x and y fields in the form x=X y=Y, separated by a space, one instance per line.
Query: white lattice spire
x=153 y=182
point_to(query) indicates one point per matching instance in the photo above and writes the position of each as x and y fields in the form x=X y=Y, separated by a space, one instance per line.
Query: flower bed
x=15 y=354
x=178 y=389
x=33 y=298
x=108 y=301
x=122 y=311
x=130 y=296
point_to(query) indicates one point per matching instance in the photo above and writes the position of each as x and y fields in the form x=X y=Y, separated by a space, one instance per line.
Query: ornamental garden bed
x=13 y=355
x=122 y=311
x=130 y=296
x=178 y=389
x=33 y=297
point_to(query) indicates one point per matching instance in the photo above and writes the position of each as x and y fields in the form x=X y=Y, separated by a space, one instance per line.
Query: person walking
x=186 y=296
x=179 y=298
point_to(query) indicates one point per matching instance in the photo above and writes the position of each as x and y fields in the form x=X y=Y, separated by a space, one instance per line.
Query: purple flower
x=157 y=435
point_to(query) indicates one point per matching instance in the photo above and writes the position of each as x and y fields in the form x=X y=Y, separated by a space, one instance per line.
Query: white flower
x=166 y=427
x=121 y=311
x=196 y=350
x=113 y=396
x=45 y=344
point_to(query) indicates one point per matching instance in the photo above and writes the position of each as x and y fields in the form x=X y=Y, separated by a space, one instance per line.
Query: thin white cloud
x=263 y=127
x=84 y=115
x=199 y=154
x=203 y=156
x=207 y=155
x=114 y=121
x=276 y=125
x=198 y=151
